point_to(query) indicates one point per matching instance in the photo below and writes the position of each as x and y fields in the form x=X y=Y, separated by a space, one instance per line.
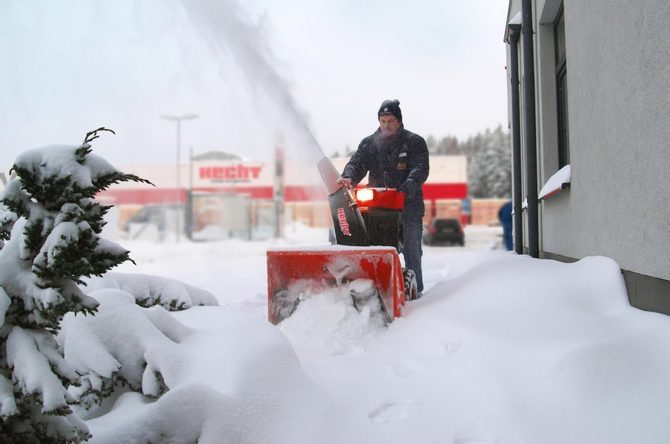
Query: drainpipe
x=513 y=40
x=530 y=137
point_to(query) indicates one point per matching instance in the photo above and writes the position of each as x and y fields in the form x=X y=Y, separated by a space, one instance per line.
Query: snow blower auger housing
x=368 y=232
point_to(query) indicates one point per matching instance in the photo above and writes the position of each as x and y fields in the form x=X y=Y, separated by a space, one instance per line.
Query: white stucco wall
x=618 y=68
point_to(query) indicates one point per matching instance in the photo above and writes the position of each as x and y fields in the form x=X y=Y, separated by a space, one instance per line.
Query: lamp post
x=178 y=120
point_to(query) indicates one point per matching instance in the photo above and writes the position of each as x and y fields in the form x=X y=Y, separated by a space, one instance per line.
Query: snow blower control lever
x=366 y=216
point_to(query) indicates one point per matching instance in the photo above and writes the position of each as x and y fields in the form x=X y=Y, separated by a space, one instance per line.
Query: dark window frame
x=561 y=90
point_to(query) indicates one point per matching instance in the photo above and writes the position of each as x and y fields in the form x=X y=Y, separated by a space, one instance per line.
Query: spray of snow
x=229 y=29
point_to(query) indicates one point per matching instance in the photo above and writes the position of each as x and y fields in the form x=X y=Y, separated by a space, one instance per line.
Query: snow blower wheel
x=411 y=291
x=284 y=304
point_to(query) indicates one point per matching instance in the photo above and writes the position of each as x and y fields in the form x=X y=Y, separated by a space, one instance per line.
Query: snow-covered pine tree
x=55 y=240
x=7 y=219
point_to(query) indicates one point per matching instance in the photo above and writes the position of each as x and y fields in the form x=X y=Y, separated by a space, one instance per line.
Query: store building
x=219 y=188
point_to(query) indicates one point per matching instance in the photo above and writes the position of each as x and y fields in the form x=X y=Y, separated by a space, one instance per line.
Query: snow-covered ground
x=500 y=349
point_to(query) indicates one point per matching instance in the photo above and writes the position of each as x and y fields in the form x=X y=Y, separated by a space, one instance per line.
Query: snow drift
x=501 y=348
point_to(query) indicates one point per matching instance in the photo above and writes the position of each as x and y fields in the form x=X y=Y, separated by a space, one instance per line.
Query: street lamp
x=178 y=120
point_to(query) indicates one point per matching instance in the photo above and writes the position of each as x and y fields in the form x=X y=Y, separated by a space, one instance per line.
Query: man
x=395 y=158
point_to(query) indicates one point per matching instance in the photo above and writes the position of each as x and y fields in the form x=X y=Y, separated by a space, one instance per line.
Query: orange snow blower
x=368 y=233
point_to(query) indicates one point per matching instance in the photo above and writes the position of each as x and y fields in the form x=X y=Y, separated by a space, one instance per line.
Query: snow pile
x=236 y=379
x=524 y=350
x=500 y=349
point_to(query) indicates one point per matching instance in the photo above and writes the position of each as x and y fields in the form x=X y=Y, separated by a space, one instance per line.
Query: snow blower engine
x=367 y=228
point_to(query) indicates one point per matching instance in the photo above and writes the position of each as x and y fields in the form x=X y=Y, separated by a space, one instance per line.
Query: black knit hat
x=390 y=107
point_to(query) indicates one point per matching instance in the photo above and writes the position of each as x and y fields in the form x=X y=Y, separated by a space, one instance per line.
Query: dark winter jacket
x=401 y=162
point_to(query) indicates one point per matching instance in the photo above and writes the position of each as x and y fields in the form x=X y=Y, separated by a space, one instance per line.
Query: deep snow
x=500 y=349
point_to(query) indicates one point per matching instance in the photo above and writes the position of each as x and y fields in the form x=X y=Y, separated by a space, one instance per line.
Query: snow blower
x=367 y=231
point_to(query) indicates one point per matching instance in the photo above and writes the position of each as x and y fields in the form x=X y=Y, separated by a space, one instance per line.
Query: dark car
x=444 y=231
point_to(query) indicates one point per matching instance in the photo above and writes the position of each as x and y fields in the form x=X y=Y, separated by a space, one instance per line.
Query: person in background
x=505 y=217
x=395 y=158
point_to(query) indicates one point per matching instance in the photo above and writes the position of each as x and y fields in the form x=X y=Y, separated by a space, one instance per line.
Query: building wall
x=618 y=79
x=444 y=209
x=619 y=100
x=485 y=211
x=312 y=214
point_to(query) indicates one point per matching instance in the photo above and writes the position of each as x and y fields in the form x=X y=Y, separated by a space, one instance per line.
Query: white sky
x=68 y=67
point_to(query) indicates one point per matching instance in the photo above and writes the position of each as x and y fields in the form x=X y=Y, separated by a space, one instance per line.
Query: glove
x=408 y=187
x=344 y=182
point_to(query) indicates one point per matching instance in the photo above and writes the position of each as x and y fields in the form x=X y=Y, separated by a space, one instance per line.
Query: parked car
x=444 y=231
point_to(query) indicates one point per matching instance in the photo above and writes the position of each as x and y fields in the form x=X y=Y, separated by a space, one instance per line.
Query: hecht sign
x=232 y=173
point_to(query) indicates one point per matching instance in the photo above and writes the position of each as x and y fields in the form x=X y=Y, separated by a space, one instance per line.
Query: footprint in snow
x=393 y=410
x=473 y=437
x=449 y=348
x=406 y=369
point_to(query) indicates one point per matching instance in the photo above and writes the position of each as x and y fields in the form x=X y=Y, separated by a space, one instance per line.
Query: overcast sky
x=250 y=69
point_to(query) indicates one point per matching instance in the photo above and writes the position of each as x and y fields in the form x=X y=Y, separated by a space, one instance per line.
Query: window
x=561 y=91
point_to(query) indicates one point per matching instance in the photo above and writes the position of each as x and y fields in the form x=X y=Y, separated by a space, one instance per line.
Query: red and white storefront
x=303 y=196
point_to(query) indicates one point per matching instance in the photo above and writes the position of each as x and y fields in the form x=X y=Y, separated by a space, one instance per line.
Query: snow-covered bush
x=148 y=290
x=54 y=241
x=7 y=220
x=122 y=347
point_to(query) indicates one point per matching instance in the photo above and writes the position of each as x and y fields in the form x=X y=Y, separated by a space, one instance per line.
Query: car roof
x=446 y=221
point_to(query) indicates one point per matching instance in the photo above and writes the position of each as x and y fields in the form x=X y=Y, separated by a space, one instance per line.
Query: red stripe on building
x=291 y=193
x=254 y=192
x=435 y=191
x=144 y=196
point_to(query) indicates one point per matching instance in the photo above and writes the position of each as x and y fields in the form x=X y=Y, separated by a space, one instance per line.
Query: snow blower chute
x=368 y=236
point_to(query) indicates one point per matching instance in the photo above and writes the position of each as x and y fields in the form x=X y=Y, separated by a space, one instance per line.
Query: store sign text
x=230 y=173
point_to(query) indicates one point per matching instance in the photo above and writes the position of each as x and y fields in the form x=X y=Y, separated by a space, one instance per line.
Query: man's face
x=389 y=125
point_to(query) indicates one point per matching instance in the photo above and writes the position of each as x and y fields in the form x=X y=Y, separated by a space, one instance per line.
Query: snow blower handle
x=344 y=183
